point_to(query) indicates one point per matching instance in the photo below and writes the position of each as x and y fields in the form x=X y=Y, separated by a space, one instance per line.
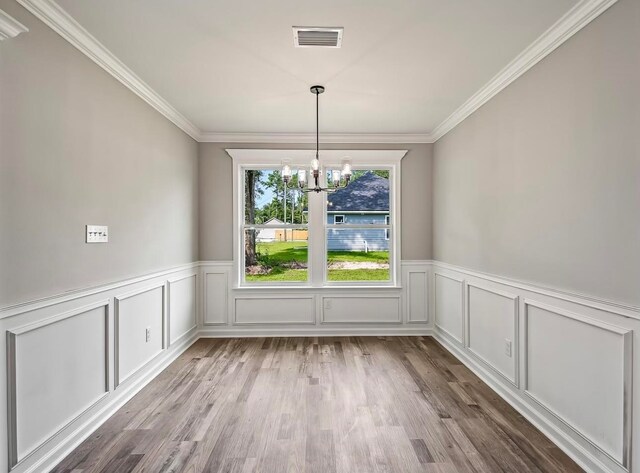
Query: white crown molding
x=10 y=27
x=62 y=23
x=374 y=138
x=569 y=24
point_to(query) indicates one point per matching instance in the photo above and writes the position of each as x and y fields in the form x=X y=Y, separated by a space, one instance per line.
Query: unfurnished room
x=355 y=236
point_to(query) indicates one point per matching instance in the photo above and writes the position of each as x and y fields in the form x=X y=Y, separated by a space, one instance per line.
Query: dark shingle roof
x=368 y=193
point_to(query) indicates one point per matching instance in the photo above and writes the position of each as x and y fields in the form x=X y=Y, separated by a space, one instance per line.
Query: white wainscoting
x=45 y=353
x=349 y=309
x=492 y=329
x=594 y=374
x=415 y=280
x=572 y=362
x=216 y=281
x=570 y=371
x=287 y=311
x=64 y=356
x=135 y=313
x=182 y=294
x=449 y=302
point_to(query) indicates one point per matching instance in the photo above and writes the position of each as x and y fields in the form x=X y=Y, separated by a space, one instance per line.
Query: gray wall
x=216 y=227
x=543 y=182
x=79 y=148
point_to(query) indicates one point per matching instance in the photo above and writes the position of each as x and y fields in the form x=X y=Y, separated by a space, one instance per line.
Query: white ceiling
x=230 y=65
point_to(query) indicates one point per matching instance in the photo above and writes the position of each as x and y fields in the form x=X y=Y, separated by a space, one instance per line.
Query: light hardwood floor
x=321 y=405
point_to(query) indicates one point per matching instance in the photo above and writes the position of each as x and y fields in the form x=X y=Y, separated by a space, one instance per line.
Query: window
x=275 y=235
x=358 y=251
x=289 y=237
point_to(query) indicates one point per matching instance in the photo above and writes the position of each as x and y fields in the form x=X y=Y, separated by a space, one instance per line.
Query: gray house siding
x=357 y=239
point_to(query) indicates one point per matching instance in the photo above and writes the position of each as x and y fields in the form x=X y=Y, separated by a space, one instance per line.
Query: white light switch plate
x=97 y=234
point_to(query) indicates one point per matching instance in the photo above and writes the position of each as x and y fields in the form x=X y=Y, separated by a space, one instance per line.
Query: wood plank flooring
x=321 y=405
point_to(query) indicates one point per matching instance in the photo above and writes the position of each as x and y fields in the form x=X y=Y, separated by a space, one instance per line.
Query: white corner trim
x=62 y=23
x=297 y=138
x=569 y=24
x=10 y=27
x=330 y=157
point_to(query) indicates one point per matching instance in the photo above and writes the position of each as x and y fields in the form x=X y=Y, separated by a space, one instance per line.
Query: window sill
x=283 y=288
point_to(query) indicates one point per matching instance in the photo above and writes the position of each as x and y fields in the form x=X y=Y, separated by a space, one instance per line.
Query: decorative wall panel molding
x=491 y=320
x=78 y=328
x=449 y=305
x=550 y=323
x=134 y=314
x=182 y=305
x=416 y=288
x=594 y=372
x=216 y=292
x=573 y=364
x=70 y=353
x=10 y=27
x=286 y=309
x=367 y=309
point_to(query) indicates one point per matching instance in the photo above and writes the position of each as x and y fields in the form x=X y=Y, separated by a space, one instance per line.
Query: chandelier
x=339 y=178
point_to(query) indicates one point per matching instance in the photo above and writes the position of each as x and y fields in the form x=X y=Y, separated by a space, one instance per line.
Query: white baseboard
x=252 y=332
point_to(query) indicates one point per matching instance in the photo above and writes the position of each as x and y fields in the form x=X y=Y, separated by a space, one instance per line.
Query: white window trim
x=338 y=223
x=386 y=221
x=272 y=158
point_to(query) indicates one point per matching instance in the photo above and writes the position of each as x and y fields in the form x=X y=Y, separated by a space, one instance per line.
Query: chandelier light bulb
x=335 y=177
x=302 y=178
x=346 y=167
x=286 y=171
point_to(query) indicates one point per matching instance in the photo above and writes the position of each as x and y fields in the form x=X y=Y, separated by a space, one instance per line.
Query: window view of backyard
x=276 y=232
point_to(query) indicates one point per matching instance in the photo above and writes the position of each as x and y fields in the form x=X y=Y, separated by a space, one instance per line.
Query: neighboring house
x=277 y=233
x=364 y=201
x=270 y=234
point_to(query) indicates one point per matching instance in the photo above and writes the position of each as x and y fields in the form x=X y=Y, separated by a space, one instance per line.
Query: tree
x=251 y=177
x=378 y=172
x=296 y=200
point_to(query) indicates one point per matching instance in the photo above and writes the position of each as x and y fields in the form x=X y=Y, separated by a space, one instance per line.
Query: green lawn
x=358 y=275
x=280 y=252
x=277 y=254
x=279 y=275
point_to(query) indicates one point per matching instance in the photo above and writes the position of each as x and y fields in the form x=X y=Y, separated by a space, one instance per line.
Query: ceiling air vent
x=308 y=37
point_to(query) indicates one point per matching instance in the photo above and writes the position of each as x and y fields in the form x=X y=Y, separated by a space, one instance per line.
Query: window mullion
x=316 y=239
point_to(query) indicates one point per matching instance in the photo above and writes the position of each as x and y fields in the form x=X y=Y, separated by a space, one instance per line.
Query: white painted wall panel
x=182 y=306
x=216 y=290
x=492 y=321
x=278 y=310
x=360 y=309
x=134 y=314
x=576 y=368
x=448 y=302
x=61 y=370
x=417 y=290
